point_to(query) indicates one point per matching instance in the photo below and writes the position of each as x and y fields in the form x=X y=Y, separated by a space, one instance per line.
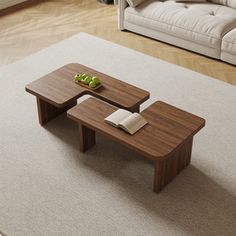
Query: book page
x=116 y=117
x=133 y=123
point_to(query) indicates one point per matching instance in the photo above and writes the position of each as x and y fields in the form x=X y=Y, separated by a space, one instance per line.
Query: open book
x=126 y=120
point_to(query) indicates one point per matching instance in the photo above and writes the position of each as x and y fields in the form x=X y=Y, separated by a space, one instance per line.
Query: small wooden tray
x=86 y=86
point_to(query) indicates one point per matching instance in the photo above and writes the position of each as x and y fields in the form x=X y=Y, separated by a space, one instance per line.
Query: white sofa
x=207 y=28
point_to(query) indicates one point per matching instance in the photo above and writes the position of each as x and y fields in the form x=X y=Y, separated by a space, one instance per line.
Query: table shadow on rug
x=193 y=200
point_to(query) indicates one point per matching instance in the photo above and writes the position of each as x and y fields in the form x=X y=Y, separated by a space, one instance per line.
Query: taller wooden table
x=56 y=92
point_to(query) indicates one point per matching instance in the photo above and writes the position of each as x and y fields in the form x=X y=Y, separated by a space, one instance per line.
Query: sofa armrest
x=122 y=4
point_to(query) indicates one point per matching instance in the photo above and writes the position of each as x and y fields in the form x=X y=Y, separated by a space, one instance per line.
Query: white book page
x=116 y=117
x=133 y=123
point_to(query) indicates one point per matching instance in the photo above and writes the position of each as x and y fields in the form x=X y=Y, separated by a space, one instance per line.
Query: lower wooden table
x=166 y=139
x=56 y=92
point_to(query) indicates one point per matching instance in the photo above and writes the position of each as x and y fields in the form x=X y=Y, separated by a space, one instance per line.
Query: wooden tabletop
x=168 y=127
x=59 y=89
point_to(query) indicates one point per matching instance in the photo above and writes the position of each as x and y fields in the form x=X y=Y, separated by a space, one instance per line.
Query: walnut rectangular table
x=56 y=92
x=166 y=139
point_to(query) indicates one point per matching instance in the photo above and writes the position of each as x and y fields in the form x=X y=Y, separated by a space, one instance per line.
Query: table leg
x=47 y=112
x=165 y=171
x=86 y=137
x=135 y=109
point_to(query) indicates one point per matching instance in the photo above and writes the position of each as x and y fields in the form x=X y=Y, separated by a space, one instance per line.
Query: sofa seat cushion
x=201 y=23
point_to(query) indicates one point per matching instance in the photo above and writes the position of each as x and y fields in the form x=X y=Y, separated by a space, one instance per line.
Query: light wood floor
x=37 y=26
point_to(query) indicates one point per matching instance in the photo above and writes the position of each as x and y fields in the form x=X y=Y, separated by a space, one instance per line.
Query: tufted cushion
x=190 y=1
x=201 y=23
x=229 y=3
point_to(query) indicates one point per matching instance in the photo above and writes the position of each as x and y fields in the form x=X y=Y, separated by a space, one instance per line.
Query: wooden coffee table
x=56 y=92
x=166 y=139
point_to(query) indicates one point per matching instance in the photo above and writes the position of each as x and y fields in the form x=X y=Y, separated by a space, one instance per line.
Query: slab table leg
x=86 y=137
x=47 y=112
x=166 y=170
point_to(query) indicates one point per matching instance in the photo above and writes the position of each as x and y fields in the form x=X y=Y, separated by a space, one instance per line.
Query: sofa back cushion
x=229 y=3
x=134 y=3
x=193 y=1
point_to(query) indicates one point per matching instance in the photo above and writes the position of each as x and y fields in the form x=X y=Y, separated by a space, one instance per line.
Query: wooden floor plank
x=32 y=27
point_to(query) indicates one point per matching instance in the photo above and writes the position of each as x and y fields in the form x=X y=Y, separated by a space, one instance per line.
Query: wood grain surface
x=167 y=130
x=59 y=89
x=47 y=112
x=166 y=171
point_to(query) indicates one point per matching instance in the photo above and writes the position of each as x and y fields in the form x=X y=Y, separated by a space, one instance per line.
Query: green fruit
x=87 y=80
x=96 y=80
x=84 y=76
x=92 y=84
x=77 y=77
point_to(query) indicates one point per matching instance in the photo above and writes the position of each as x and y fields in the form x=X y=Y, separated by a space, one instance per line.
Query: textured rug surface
x=47 y=187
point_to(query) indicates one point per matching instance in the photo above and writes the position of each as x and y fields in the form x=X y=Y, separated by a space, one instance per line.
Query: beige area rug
x=47 y=187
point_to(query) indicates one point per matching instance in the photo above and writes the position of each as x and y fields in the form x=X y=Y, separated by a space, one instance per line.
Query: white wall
x=8 y=3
